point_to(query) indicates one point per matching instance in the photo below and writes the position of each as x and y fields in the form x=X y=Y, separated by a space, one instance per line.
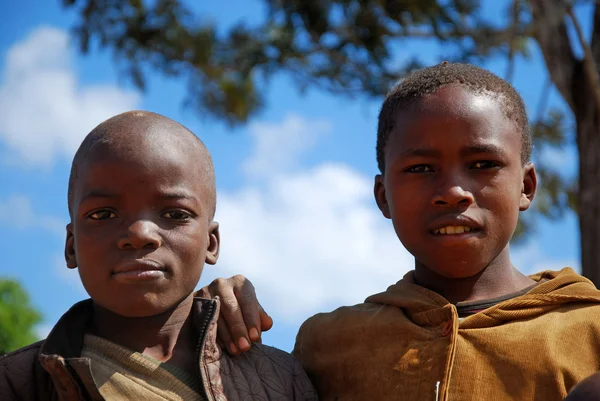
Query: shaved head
x=126 y=133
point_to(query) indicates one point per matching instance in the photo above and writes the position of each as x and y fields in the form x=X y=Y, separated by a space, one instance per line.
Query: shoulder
x=348 y=318
x=26 y=355
x=348 y=326
x=21 y=374
x=278 y=373
x=272 y=361
x=344 y=313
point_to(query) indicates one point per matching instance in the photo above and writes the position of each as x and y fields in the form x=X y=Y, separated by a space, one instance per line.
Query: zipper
x=83 y=390
x=443 y=395
x=200 y=345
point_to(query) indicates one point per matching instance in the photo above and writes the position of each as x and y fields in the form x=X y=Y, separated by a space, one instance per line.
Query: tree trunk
x=588 y=144
x=577 y=83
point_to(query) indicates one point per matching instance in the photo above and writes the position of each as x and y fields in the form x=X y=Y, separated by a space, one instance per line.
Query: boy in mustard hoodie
x=453 y=148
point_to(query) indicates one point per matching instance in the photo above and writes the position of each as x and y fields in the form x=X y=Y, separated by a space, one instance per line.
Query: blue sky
x=295 y=201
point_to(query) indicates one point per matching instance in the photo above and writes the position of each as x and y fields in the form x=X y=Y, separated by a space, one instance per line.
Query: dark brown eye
x=420 y=168
x=102 y=215
x=176 y=215
x=483 y=164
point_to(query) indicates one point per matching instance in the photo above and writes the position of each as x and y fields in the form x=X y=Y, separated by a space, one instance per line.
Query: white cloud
x=44 y=111
x=16 y=211
x=278 y=146
x=309 y=239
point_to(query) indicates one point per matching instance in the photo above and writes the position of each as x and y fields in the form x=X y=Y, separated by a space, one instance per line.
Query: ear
x=70 y=256
x=214 y=243
x=380 y=197
x=528 y=186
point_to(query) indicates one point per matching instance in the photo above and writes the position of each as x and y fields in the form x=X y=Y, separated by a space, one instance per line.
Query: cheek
x=503 y=203
x=406 y=214
x=189 y=245
x=90 y=246
x=406 y=201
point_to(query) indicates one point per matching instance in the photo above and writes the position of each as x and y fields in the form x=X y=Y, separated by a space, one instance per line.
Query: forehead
x=457 y=112
x=152 y=160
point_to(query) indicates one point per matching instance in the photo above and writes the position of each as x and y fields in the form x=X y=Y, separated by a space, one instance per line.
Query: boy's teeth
x=453 y=230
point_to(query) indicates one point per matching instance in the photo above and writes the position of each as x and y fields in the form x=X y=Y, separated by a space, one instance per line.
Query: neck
x=498 y=279
x=156 y=336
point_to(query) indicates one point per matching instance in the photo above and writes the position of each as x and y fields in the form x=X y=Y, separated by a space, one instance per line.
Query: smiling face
x=142 y=226
x=454 y=182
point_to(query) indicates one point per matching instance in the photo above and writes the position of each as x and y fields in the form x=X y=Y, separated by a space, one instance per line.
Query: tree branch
x=513 y=33
x=551 y=34
x=595 y=40
x=590 y=67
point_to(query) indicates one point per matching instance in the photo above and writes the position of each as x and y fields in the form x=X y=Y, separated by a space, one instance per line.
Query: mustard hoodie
x=407 y=343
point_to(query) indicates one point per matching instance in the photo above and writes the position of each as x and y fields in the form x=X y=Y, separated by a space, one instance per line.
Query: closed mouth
x=139 y=266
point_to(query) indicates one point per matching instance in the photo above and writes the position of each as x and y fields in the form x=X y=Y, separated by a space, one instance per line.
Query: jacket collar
x=66 y=338
x=60 y=354
x=428 y=308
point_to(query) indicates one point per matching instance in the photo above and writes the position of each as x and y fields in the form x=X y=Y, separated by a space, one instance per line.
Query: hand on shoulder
x=242 y=319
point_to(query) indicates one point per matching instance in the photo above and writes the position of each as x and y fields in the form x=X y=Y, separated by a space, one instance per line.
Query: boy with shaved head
x=142 y=200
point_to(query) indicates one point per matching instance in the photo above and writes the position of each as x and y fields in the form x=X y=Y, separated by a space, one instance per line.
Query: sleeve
x=22 y=377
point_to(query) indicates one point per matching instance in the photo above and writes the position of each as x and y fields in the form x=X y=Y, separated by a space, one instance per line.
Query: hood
x=556 y=289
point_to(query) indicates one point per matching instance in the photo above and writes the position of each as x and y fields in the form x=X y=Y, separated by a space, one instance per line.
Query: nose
x=453 y=193
x=141 y=234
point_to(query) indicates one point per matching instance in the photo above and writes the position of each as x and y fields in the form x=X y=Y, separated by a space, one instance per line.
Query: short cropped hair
x=428 y=80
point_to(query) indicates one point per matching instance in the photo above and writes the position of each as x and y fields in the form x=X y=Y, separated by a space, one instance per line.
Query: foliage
x=346 y=47
x=17 y=317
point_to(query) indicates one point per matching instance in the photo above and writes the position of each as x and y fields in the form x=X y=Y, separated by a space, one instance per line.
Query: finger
x=249 y=306
x=266 y=322
x=232 y=315
x=204 y=292
x=224 y=338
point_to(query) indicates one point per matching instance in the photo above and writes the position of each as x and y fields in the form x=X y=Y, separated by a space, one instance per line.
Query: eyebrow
x=95 y=194
x=483 y=148
x=466 y=151
x=421 y=152
x=179 y=195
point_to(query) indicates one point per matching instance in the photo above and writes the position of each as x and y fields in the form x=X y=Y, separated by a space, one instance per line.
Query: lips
x=139 y=269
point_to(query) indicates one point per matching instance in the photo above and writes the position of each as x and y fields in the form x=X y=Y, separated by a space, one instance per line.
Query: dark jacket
x=54 y=369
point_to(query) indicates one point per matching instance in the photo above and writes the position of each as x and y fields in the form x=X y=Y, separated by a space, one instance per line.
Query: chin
x=146 y=306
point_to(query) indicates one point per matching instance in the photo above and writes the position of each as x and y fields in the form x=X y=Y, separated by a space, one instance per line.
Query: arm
x=242 y=318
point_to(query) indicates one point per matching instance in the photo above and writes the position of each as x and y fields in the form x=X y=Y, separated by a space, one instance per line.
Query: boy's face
x=454 y=182
x=142 y=226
